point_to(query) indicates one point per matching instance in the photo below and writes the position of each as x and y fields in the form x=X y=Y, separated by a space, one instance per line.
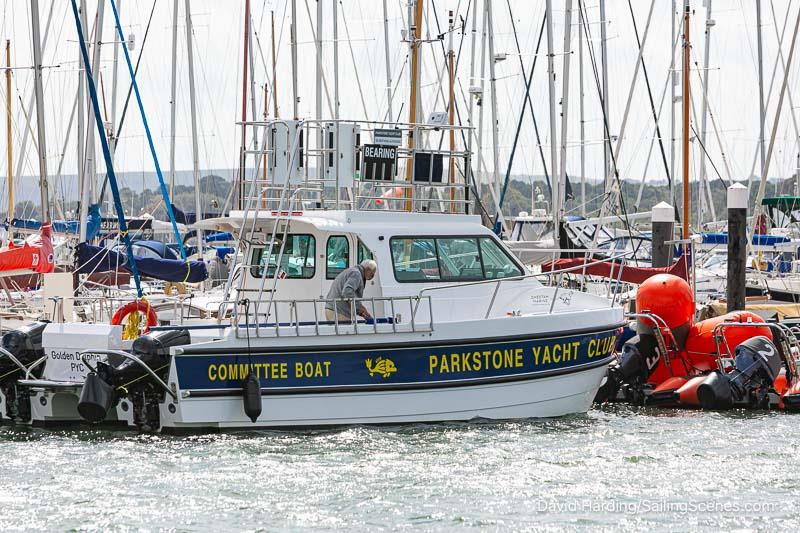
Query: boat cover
x=758 y=239
x=64 y=226
x=608 y=269
x=90 y=258
x=35 y=254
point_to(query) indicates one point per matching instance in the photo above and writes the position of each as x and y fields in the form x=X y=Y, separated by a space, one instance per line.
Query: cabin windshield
x=450 y=259
x=297 y=261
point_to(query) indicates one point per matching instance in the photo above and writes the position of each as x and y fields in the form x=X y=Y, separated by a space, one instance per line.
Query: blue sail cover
x=97 y=259
x=758 y=240
x=64 y=226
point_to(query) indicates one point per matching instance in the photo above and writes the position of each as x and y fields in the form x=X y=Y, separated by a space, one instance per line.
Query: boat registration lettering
x=475 y=361
x=601 y=347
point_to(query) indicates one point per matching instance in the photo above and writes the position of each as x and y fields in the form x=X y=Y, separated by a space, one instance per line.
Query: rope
x=112 y=177
x=124 y=386
x=149 y=136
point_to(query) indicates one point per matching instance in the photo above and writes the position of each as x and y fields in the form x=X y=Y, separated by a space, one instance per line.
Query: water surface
x=617 y=467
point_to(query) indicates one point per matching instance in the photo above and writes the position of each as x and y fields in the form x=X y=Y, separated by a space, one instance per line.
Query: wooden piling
x=737 y=246
x=662 y=219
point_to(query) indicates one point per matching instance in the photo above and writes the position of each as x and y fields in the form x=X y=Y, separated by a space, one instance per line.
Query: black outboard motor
x=629 y=374
x=120 y=377
x=756 y=365
x=24 y=343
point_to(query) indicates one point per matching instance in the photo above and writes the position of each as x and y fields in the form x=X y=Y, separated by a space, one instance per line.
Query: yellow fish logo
x=384 y=367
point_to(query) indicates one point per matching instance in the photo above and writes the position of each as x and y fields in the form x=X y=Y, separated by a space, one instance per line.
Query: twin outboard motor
x=756 y=365
x=119 y=377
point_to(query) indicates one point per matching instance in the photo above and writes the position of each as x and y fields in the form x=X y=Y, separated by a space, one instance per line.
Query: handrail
x=512 y=278
x=661 y=324
x=294 y=322
x=34 y=365
x=13 y=358
x=131 y=357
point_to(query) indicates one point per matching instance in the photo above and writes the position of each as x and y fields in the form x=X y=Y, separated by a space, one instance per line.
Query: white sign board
x=62 y=344
x=387 y=137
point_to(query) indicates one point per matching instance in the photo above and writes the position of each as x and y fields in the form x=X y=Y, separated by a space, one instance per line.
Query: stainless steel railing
x=250 y=313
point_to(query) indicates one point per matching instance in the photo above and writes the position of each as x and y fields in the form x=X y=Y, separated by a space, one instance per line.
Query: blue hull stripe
x=398 y=367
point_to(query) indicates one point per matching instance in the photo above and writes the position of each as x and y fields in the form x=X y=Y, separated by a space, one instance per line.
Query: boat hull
x=502 y=379
x=548 y=397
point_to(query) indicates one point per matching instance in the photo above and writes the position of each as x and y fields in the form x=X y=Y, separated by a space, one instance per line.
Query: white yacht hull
x=539 y=397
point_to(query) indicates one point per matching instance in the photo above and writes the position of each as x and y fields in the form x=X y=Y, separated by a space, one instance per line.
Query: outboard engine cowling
x=153 y=350
x=637 y=361
x=756 y=365
x=24 y=343
x=120 y=376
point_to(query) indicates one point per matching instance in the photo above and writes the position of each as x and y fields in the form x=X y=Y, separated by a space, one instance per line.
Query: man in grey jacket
x=349 y=284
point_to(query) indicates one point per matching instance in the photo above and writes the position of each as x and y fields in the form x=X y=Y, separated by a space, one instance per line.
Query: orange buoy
x=668 y=297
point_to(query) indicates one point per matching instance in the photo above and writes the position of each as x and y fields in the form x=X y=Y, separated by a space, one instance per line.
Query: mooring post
x=737 y=246
x=662 y=219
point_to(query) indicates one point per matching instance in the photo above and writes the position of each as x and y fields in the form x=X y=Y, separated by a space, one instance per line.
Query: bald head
x=370 y=267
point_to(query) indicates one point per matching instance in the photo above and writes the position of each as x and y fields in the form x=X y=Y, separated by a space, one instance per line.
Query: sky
x=731 y=140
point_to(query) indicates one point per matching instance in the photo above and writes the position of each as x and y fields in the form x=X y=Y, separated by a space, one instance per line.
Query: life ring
x=136 y=306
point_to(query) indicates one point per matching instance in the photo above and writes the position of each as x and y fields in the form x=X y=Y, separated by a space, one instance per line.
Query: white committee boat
x=461 y=332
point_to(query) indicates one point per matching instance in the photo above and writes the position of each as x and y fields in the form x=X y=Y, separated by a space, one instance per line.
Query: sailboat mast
x=761 y=109
x=91 y=159
x=604 y=60
x=274 y=72
x=173 y=86
x=9 y=146
x=685 y=102
x=562 y=175
x=673 y=97
x=245 y=70
x=581 y=110
x=293 y=35
x=414 y=35
x=451 y=108
x=551 y=89
x=193 y=113
x=37 y=69
x=83 y=204
x=704 y=185
x=390 y=115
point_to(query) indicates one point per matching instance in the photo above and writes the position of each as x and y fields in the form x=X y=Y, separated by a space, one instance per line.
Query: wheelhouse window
x=297 y=261
x=414 y=259
x=363 y=252
x=459 y=259
x=337 y=255
x=496 y=262
x=417 y=259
